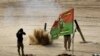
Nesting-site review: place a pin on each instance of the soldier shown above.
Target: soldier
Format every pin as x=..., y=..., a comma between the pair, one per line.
x=19, y=35
x=67, y=42
x=67, y=38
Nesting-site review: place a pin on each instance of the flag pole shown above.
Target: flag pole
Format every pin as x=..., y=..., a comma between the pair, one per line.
x=73, y=42
x=73, y=33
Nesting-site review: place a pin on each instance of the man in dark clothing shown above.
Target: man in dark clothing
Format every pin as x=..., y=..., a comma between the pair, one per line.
x=67, y=38
x=67, y=42
x=19, y=35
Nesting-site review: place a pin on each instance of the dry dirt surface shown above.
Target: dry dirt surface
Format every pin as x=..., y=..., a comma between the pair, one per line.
x=31, y=14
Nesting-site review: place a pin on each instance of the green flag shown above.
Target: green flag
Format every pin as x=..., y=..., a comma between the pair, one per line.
x=66, y=22
x=55, y=30
x=64, y=25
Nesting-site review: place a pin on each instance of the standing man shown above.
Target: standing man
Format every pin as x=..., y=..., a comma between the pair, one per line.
x=67, y=37
x=19, y=35
x=67, y=42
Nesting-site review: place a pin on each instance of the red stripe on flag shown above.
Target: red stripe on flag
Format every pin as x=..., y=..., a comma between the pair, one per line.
x=56, y=23
x=67, y=16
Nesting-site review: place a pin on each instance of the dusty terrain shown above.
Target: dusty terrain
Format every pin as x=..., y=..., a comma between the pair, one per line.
x=30, y=14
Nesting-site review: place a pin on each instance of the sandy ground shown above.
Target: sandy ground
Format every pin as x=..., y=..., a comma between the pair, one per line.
x=34, y=13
